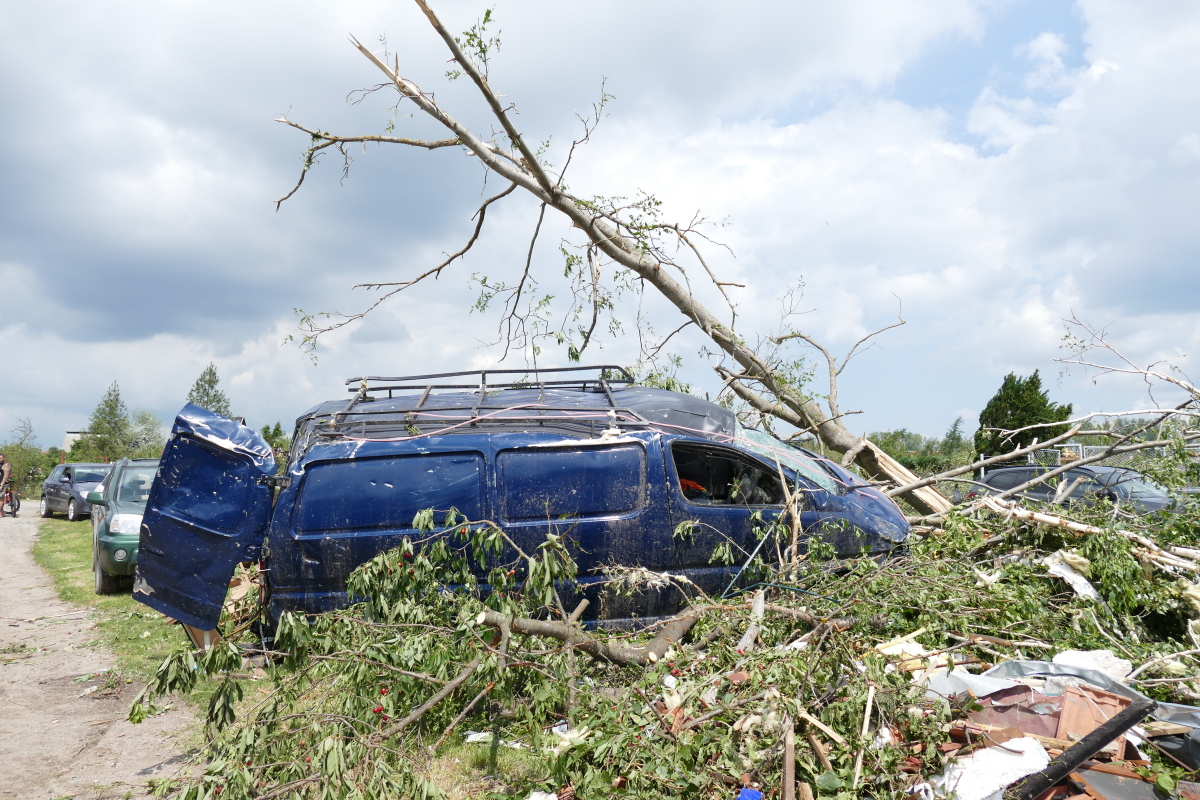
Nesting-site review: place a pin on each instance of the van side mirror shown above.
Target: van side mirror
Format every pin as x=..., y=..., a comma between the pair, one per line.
x=96, y=499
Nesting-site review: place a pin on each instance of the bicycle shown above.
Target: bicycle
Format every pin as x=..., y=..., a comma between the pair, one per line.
x=12, y=503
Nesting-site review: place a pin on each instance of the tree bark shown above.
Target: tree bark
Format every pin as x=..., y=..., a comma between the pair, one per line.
x=602, y=650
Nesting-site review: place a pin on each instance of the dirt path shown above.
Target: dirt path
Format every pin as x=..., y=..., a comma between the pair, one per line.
x=60, y=736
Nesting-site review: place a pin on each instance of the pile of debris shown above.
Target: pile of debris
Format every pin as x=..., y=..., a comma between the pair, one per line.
x=996, y=656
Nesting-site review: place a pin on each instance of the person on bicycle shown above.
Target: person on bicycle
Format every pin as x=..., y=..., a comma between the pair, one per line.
x=5, y=479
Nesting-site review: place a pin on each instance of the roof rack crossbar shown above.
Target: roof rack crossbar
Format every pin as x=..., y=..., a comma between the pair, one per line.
x=622, y=376
x=575, y=412
x=472, y=388
x=364, y=425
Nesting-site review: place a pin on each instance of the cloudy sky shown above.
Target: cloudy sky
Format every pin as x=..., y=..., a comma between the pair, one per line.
x=992, y=166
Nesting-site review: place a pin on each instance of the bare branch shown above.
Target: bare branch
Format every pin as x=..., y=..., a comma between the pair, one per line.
x=515, y=297
x=469, y=67
x=852, y=351
x=682, y=234
x=594, y=272
x=1097, y=340
x=478, y=216
x=654, y=350
x=330, y=140
x=346, y=319
x=985, y=462
x=1080, y=462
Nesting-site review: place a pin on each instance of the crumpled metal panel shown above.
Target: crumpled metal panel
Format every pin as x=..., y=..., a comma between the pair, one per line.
x=1167, y=712
x=208, y=510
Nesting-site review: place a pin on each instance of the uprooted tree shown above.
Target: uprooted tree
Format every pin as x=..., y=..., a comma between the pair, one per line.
x=628, y=246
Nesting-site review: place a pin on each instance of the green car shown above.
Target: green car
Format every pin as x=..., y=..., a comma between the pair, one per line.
x=117, y=508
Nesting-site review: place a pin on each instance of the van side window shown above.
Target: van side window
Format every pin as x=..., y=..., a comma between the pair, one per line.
x=368, y=494
x=551, y=482
x=718, y=477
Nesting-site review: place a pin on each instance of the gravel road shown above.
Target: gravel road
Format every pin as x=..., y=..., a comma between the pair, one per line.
x=61, y=736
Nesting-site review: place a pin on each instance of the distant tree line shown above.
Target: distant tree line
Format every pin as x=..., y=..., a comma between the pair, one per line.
x=114, y=432
x=1018, y=404
x=30, y=465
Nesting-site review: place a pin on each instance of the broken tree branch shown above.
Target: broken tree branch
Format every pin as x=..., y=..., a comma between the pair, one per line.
x=600, y=649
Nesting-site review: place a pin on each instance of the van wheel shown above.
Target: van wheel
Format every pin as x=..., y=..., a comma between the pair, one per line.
x=105, y=583
x=44, y=508
x=73, y=511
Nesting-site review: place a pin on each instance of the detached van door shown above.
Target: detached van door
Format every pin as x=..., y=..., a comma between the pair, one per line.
x=208, y=510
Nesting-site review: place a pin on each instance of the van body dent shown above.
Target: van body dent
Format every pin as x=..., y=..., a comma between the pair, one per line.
x=615, y=468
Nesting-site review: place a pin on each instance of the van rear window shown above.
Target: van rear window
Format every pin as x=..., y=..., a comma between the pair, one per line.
x=553, y=482
x=374, y=493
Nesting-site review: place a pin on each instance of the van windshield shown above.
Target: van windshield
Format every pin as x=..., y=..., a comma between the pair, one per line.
x=770, y=448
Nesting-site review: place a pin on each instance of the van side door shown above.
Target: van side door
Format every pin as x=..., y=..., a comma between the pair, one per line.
x=605, y=498
x=208, y=509
x=349, y=502
x=716, y=493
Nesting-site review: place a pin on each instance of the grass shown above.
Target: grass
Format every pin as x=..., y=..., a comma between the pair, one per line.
x=139, y=639
x=462, y=770
x=134, y=633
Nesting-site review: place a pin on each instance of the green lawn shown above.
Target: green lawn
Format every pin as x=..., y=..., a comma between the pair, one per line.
x=135, y=633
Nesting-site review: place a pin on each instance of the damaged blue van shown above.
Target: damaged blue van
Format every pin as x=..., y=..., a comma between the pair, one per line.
x=618, y=469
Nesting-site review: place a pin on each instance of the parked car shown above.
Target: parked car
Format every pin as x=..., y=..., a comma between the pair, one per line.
x=66, y=487
x=117, y=508
x=1125, y=487
x=615, y=468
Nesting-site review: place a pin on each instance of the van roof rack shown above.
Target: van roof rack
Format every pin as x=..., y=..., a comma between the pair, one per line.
x=596, y=377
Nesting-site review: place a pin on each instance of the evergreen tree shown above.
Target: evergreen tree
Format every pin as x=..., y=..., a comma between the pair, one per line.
x=206, y=394
x=1020, y=402
x=109, y=434
x=276, y=436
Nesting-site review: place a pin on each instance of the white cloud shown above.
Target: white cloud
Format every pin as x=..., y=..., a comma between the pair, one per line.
x=143, y=240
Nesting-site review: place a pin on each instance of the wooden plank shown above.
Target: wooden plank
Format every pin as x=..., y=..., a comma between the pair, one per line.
x=1157, y=728
x=1084, y=709
x=202, y=639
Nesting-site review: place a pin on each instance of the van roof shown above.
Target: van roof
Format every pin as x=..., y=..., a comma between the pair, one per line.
x=579, y=410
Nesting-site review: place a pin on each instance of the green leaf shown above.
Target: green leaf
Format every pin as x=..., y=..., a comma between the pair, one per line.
x=829, y=782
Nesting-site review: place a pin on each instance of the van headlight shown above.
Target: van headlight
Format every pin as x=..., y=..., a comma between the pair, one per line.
x=125, y=523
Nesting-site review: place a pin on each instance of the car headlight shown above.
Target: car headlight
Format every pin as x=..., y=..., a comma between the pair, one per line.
x=120, y=555
x=125, y=523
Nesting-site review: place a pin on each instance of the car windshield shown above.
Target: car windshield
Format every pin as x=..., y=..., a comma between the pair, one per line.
x=134, y=487
x=90, y=474
x=1132, y=486
x=773, y=450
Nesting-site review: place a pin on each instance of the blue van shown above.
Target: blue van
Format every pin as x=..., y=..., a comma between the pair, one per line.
x=616, y=468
